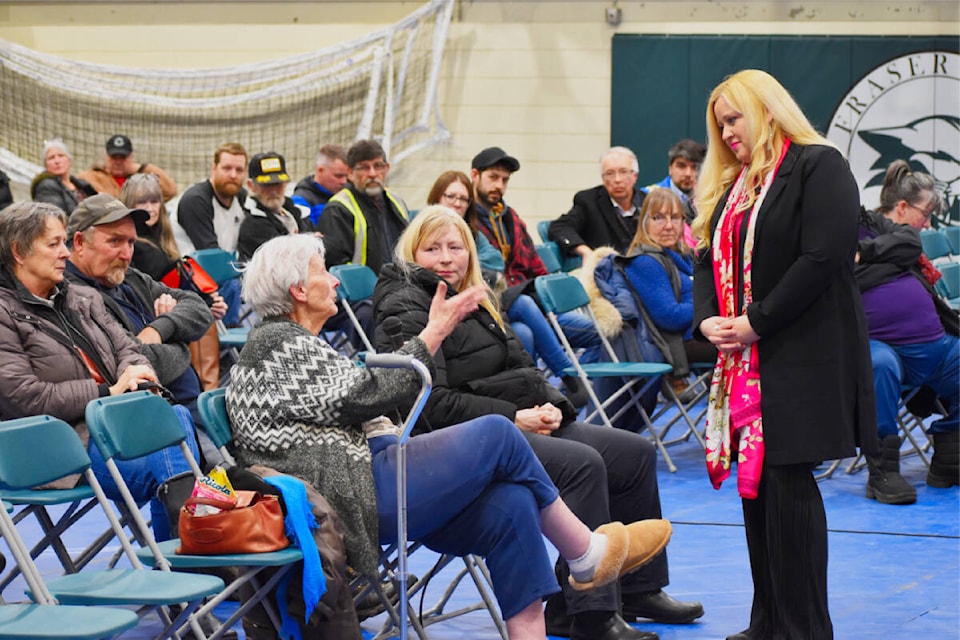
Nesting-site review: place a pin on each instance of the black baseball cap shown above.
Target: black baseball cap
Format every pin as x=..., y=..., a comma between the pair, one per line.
x=494, y=155
x=268, y=168
x=119, y=145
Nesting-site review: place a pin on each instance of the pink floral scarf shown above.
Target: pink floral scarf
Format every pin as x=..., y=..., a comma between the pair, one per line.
x=734, y=421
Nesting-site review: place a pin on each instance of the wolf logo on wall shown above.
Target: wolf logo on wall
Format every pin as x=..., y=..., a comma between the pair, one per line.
x=907, y=109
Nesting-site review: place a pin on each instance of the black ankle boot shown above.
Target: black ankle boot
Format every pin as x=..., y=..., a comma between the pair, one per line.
x=885, y=483
x=945, y=464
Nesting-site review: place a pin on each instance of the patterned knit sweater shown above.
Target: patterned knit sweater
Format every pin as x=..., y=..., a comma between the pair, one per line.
x=300, y=407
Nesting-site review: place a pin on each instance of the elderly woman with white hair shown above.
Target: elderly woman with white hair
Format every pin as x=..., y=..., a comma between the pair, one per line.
x=55, y=185
x=300, y=407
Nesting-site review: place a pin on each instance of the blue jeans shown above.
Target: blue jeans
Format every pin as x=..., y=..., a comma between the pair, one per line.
x=536, y=334
x=143, y=475
x=474, y=487
x=934, y=364
x=582, y=334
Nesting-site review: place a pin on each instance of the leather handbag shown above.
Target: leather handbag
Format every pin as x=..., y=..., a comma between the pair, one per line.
x=253, y=525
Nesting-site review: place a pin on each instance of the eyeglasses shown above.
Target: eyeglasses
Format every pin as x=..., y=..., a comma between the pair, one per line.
x=452, y=197
x=610, y=174
x=660, y=219
x=370, y=167
x=926, y=214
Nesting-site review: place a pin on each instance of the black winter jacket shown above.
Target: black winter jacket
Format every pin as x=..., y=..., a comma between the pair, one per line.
x=480, y=368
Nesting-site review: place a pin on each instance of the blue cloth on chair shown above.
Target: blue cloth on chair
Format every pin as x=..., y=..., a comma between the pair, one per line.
x=298, y=526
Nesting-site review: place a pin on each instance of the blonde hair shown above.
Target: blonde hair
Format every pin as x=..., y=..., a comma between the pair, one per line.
x=655, y=201
x=771, y=115
x=428, y=224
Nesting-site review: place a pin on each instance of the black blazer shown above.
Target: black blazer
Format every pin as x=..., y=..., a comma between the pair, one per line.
x=594, y=222
x=815, y=373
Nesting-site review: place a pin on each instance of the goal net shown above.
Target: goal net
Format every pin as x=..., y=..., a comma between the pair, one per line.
x=382, y=86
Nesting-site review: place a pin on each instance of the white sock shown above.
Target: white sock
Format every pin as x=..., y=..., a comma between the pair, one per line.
x=582, y=568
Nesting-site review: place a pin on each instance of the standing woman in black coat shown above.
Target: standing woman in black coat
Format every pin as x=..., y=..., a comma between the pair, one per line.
x=774, y=291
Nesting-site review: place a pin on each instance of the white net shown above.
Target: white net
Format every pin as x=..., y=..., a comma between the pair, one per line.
x=381, y=86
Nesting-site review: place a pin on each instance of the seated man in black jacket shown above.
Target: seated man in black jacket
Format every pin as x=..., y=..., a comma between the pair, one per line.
x=606, y=215
x=270, y=213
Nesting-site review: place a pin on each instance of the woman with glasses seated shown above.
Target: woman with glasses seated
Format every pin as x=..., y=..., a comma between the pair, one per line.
x=660, y=270
x=453, y=190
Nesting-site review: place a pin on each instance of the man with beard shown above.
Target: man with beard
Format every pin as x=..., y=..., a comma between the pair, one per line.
x=683, y=160
x=490, y=172
x=606, y=215
x=270, y=213
x=101, y=233
x=571, y=613
x=210, y=212
x=362, y=222
x=119, y=163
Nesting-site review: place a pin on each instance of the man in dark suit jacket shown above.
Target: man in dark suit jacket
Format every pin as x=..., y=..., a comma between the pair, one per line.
x=606, y=215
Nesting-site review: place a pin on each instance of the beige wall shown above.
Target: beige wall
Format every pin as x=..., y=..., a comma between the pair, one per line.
x=532, y=77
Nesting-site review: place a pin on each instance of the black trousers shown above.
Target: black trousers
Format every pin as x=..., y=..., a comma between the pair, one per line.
x=787, y=539
x=604, y=475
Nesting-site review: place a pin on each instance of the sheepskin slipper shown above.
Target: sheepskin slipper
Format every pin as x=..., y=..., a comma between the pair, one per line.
x=629, y=547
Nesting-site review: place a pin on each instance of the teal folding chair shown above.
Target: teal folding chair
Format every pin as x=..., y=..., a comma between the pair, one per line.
x=952, y=234
x=357, y=283
x=560, y=293
x=64, y=454
x=949, y=285
x=935, y=244
x=549, y=252
x=543, y=228
x=79, y=500
x=567, y=263
x=51, y=621
x=135, y=424
x=222, y=265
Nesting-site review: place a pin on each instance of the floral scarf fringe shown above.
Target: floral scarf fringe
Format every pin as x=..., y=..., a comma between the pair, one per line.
x=734, y=421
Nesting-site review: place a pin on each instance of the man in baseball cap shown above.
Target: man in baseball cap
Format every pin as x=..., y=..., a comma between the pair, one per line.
x=492, y=156
x=101, y=209
x=101, y=234
x=119, y=163
x=270, y=213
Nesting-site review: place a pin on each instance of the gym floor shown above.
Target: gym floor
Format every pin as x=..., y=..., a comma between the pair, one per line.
x=894, y=570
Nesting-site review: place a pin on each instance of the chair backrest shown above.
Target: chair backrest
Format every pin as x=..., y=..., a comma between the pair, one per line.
x=37, y=450
x=935, y=244
x=543, y=228
x=950, y=280
x=220, y=264
x=560, y=292
x=158, y=425
x=952, y=234
x=212, y=406
x=357, y=281
x=549, y=252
